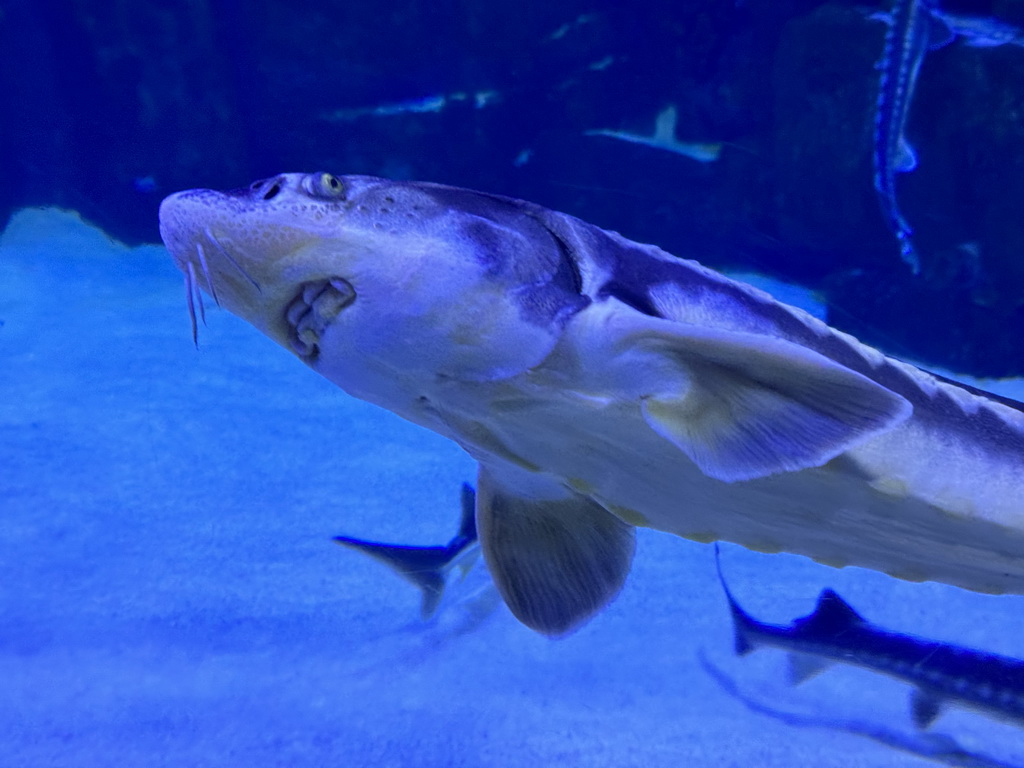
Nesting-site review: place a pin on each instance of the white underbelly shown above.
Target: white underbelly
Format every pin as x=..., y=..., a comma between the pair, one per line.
x=902, y=504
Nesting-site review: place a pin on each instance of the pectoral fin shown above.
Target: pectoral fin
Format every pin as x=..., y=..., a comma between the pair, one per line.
x=906, y=158
x=804, y=666
x=924, y=708
x=748, y=405
x=940, y=33
x=555, y=562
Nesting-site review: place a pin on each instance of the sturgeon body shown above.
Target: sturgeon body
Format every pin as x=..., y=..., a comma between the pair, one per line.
x=602, y=384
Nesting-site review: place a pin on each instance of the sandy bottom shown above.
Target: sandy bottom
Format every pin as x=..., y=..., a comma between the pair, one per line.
x=170, y=596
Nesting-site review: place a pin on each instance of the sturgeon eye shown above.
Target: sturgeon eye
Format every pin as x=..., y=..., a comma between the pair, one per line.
x=325, y=185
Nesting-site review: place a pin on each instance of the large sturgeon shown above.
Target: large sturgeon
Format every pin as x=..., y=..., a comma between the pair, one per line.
x=602, y=384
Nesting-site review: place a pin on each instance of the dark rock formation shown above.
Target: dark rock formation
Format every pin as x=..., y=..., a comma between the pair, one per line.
x=108, y=106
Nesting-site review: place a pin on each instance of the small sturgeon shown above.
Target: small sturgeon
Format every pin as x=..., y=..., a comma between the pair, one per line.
x=940, y=672
x=602, y=384
x=906, y=42
x=939, y=747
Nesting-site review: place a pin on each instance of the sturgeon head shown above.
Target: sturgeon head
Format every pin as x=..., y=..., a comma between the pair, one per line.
x=417, y=297
x=381, y=286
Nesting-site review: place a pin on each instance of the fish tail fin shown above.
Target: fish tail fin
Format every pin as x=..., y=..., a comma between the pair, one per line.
x=423, y=567
x=741, y=620
x=427, y=567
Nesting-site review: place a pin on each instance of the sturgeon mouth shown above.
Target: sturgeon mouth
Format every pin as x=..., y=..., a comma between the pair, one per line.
x=314, y=308
x=193, y=293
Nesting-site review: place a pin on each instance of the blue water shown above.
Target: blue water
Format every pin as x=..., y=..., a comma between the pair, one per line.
x=169, y=591
x=170, y=596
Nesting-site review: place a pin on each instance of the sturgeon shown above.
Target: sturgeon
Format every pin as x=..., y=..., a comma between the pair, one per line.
x=602, y=384
x=940, y=673
x=906, y=43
